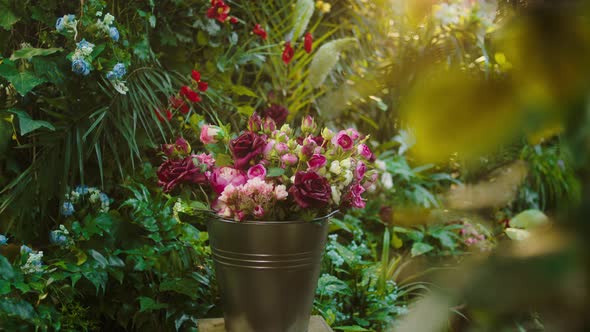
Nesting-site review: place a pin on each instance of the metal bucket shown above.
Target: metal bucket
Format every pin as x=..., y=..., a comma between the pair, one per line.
x=267, y=272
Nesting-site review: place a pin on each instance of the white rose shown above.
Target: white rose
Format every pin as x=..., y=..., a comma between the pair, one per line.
x=348, y=177
x=346, y=163
x=380, y=164
x=387, y=180
x=335, y=167
x=335, y=195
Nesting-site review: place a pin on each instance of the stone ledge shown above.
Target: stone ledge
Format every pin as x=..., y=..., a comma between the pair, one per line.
x=316, y=324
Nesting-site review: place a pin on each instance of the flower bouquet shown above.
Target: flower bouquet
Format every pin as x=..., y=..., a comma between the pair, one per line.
x=271, y=188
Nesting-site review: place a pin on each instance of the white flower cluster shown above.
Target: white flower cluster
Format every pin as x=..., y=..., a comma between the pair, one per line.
x=33, y=263
x=343, y=170
x=95, y=197
x=386, y=177
x=105, y=23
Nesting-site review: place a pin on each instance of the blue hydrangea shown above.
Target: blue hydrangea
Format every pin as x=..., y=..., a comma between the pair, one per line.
x=119, y=70
x=104, y=198
x=24, y=249
x=59, y=24
x=3, y=239
x=82, y=189
x=67, y=209
x=81, y=67
x=114, y=33
x=71, y=17
x=58, y=238
x=111, y=76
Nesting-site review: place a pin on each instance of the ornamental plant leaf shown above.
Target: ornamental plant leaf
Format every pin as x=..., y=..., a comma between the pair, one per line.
x=29, y=52
x=7, y=18
x=6, y=271
x=148, y=304
x=17, y=307
x=27, y=124
x=420, y=248
x=350, y=328
x=529, y=219
x=23, y=82
x=326, y=58
x=303, y=13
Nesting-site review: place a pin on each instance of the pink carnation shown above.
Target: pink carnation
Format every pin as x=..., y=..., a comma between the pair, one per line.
x=206, y=159
x=355, y=198
x=360, y=170
x=258, y=212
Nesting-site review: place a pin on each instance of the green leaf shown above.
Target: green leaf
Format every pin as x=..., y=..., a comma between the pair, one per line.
x=350, y=328
x=27, y=124
x=303, y=13
x=18, y=308
x=148, y=304
x=420, y=248
x=99, y=258
x=7, y=18
x=275, y=171
x=4, y=287
x=23, y=81
x=326, y=58
x=529, y=219
x=188, y=287
x=241, y=90
x=29, y=52
x=445, y=237
x=517, y=234
x=6, y=271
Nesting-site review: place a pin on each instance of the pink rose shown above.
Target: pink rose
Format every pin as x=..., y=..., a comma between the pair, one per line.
x=257, y=171
x=289, y=159
x=364, y=151
x=180, y=147
x=268, y=148
x=221, y=177
x=209, y=134
x=281, y=192
x=316, y=162
x=360, y=170
x=254, y=123
x=343, y=140
x=308, y=124
x=281, y=148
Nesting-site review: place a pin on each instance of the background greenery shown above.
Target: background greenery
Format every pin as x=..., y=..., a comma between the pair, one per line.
x=496, y=92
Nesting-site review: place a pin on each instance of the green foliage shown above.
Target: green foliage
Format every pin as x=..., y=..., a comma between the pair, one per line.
x=138, y=267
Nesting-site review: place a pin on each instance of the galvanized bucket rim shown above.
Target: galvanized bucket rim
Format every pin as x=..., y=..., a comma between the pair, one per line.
x=274, y=222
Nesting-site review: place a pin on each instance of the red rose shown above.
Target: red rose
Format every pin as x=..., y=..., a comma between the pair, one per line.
x=190, y=94
x=308, y=42
x=245, y=148
x=288, y=53
x=258, y=30
x=311, y=190
x=174, y=172
x=278, y=113
x=179, y=104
